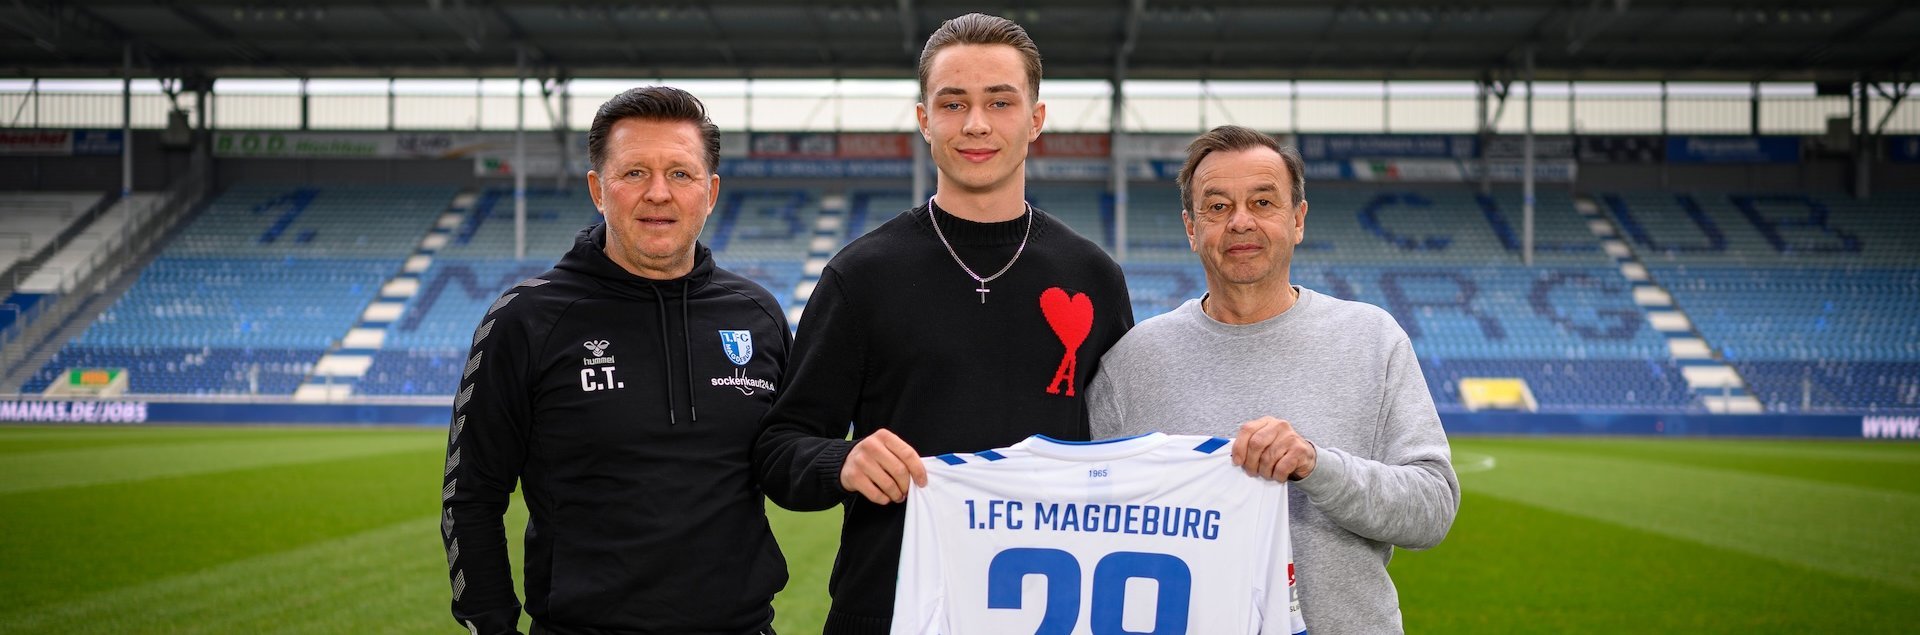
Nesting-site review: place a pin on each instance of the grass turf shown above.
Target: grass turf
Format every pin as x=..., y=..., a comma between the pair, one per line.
x=304, y=530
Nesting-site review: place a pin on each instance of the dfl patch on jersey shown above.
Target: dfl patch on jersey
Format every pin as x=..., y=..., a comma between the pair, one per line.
x=1152, y=534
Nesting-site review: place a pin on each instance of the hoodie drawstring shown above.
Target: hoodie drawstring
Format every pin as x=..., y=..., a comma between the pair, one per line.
x=686, y=343
x=666, y=352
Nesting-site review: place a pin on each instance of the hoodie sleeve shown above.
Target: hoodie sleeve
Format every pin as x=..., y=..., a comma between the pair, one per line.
x=486, y=450
x=803, y=439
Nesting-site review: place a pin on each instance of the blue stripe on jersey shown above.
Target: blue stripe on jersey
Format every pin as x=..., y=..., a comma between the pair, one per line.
x=1209, y=445
x=951, y=459
x=1049, y=439
x=989, y=455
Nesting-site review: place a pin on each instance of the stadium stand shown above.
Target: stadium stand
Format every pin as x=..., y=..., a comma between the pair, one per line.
x=43, y=287
x=553, y=217
x=760, y=233
x=1088, y=210
x=255, y=290
x=1446, y=263
x=868, y=208
x=34, y=219
x=100, y=237
x=1811, y=297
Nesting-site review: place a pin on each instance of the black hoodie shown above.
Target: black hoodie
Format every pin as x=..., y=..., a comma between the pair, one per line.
x=628, y=408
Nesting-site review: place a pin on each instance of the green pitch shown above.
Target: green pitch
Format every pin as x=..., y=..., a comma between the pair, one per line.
x=302, y=530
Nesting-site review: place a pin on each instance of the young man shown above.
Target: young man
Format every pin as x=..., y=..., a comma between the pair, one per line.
x=965, y=324
x=623, y=389
x=1361, y=438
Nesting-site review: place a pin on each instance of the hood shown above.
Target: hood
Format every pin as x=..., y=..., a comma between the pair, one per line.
x=589, y=258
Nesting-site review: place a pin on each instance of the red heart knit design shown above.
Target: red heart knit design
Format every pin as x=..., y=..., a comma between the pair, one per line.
x=1072, y=319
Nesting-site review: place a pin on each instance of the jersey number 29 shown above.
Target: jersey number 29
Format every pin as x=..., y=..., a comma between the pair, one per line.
x=1062, y=574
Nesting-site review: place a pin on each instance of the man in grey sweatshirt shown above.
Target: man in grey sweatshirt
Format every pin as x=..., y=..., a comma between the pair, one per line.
x=1317, y=390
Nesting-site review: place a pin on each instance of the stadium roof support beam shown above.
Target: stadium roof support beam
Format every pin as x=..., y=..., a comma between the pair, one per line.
x=520, y=157
x=62, y=16
x=1596, y=20
x=1526, y=176
x=909, y=27
x=1862, y=113
x=306, y=106
x=126, y=122
x=522, y=42
x=1666, y=174
x=1480, y=90
x=1499, y=89
x=32, y=98
x=562, y=130
x=1894, y=97
x=921, y=157
x=922, y=154
x=35, y=33
x=1116, y=160
x=720, y=40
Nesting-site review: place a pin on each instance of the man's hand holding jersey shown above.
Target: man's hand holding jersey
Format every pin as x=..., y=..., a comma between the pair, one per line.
x=880, y=466
x=1270, y=448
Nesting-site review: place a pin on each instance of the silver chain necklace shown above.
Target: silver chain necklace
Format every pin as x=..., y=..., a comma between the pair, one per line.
x=934, y=217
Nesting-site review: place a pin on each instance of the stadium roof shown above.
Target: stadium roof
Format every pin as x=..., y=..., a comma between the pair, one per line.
x=1761, y=40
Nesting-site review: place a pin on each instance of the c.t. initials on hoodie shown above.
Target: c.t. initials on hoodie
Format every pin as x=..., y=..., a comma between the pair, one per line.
x=595, y=377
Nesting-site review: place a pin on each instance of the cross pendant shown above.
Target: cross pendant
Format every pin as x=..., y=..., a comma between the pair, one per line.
x=983, y=290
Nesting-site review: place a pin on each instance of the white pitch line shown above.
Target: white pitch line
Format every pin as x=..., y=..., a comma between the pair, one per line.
x=1480, y=463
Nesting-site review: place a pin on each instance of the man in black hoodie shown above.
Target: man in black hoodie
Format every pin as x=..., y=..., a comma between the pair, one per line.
x=624, y=389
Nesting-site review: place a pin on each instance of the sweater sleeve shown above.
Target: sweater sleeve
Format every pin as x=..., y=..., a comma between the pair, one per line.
x=1106, y=405
x=486, y=450
x=1410, y=495
x=803, y=438
x=1106, y=411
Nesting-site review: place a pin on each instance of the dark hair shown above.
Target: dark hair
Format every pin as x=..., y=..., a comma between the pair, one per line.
x=662, y=103
x=1232, y=138
x=980, y=28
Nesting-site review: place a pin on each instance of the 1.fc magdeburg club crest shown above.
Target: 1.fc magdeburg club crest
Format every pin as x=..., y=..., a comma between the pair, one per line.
x=739, y=346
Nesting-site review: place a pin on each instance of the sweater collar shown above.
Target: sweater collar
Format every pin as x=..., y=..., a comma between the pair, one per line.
x=960, y=231
x=1279, y=322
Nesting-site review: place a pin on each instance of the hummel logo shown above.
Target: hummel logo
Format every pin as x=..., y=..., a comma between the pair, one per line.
x=599, y=350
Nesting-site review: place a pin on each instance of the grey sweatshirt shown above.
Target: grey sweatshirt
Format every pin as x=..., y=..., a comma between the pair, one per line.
x=1344, y=374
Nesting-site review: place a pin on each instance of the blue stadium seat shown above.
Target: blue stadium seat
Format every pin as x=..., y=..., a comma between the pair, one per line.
x=1813, y=298
x=184, y=370
x=1446, y=263
x=255, y=289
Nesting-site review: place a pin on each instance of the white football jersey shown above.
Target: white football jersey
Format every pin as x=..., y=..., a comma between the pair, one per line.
x=1152, y=534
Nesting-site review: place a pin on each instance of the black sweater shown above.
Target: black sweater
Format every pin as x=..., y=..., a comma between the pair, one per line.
x=895, y=337
x=614, y=400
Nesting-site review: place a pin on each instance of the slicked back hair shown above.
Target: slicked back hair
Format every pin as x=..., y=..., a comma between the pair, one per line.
x=1231, y=138
x=980, y=28
x=658, y=103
